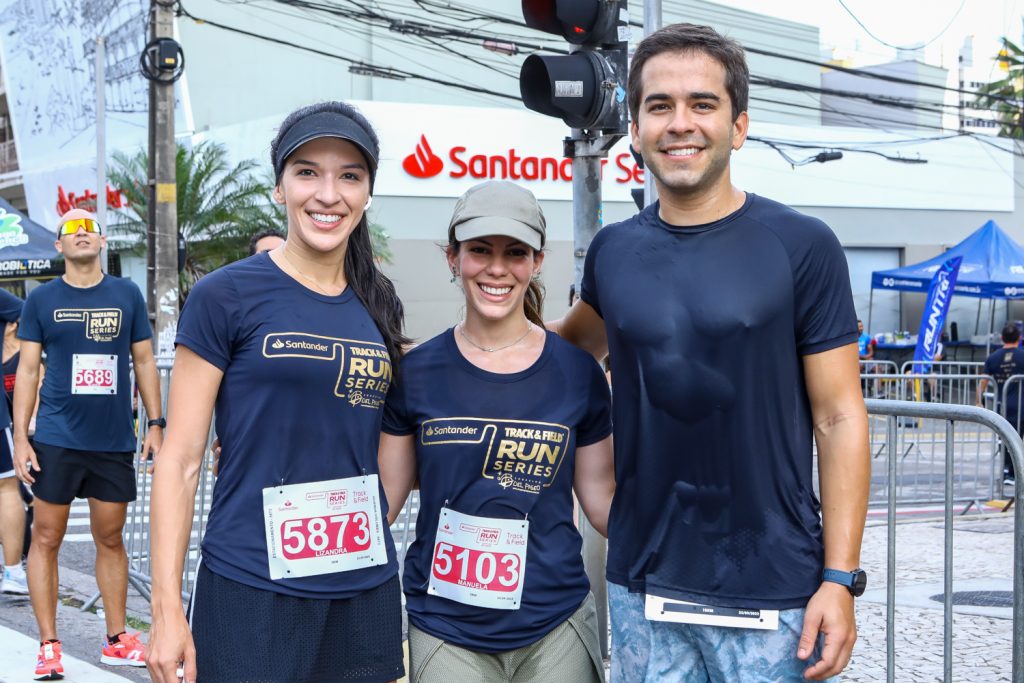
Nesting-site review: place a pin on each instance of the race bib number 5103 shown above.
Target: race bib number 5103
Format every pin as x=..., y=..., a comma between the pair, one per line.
x=479, y=560
x=323, y=527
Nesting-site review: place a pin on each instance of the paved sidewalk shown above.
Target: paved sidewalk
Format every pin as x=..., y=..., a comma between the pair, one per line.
x=982, y=561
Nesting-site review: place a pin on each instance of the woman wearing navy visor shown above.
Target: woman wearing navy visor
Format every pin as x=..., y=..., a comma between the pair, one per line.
x=295, y=348
x=499, y=421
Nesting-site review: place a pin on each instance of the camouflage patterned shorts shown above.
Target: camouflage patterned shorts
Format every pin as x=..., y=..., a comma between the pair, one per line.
x=660, y=652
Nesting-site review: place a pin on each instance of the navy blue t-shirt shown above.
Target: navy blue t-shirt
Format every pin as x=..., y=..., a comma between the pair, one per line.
x=305, y=376
x=10, y=311
x=77, y=326
x=1002, y=365
x=713, y=434
x=462, y=416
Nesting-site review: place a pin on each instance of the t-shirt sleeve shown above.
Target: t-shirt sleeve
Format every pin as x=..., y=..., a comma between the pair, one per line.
x=597, y=421
x=141, y=329
x=588, y=286
x=10, y=307
x=209, y=321
x=31, y=328
x=825, y=315
x=396, y=420
x=991, y=366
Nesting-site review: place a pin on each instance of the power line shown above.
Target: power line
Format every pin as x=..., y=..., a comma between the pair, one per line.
x=899, y=47
x=407, y=74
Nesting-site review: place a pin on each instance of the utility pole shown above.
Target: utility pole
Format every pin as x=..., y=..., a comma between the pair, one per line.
x=101, y=141
x=162, y=266
x=652, y=22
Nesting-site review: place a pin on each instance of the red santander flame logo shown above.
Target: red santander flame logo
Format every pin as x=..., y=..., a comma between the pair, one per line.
x=423, y=163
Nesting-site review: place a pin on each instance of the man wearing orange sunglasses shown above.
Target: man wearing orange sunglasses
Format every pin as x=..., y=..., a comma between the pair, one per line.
x=88, y=323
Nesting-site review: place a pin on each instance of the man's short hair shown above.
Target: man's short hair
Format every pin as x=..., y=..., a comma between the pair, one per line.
x=693, y=38
x=269, y=232
x=1011, y=334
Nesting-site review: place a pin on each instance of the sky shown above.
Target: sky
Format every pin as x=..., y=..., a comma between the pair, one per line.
x=904, y=23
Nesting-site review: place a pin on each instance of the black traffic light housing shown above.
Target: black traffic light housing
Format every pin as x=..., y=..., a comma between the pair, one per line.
x=586, y=89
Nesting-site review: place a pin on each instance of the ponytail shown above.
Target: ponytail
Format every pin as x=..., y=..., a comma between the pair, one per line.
x=534, y=303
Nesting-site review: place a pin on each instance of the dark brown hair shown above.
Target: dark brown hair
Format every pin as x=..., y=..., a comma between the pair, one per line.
x=693, y=38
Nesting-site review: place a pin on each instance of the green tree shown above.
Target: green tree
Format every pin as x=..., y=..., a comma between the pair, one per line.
x=1004, y=95
x=219, y=206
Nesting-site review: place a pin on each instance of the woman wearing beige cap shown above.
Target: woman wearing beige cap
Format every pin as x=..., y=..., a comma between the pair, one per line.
x=499, y=421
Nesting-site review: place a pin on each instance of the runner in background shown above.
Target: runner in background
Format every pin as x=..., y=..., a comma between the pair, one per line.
x=500, y=421
x=12, y=507
x=296, y=349
x=89, y=324
x=265, y=240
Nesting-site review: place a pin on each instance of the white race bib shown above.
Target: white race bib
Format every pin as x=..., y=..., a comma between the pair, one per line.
x=657, y=608
x=479, y=560
x=324, y=527
x=93, y=373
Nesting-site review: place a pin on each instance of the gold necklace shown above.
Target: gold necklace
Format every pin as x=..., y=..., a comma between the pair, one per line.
x=299, y=271
x=486, y=349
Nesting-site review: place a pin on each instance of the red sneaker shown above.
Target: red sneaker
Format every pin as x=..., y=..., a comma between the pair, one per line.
x=48, y=666
x=127, y=651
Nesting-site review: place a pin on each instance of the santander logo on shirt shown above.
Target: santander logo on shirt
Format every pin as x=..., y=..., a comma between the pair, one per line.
x=424, y=163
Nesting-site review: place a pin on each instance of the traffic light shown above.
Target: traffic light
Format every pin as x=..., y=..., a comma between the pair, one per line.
x=587, y=88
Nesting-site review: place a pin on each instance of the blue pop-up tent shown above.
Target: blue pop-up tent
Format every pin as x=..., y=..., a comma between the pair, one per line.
x=26, y=248
x=992, y=268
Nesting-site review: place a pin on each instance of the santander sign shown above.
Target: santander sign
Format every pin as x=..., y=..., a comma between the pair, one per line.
x=424, y=163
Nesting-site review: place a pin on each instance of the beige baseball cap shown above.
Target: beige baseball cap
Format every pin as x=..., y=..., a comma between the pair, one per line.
x=498, y=207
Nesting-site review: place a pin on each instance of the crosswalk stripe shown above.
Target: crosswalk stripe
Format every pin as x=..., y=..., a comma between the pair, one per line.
x=19, y=653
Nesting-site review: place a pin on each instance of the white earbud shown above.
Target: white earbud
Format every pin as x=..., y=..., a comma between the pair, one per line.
x=369, y=200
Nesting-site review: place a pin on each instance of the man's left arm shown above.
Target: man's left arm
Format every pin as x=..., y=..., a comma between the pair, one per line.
x=844, y=473
x=148, y=380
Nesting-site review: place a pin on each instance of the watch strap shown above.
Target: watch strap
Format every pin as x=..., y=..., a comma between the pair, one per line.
x=158, y=422
x=837, y=576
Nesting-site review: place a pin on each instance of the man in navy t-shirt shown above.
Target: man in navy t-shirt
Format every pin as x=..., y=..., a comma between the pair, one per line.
x=715, y=521
x=1002, y=365
x=89, y=324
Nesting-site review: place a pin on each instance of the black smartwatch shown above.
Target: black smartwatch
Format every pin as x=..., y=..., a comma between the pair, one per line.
x=158, y=422
x=855, y=581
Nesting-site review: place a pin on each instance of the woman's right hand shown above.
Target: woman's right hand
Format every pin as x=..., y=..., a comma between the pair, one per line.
x=171, y=649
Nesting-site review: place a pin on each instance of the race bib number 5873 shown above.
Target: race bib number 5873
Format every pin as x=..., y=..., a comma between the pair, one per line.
x=323, y=527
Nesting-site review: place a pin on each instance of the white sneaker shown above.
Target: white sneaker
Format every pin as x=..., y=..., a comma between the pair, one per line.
x=16, y=584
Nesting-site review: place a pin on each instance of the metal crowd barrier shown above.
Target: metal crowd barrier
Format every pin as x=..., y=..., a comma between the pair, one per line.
x=894, y=411
x=978, y=474
x=950, y=367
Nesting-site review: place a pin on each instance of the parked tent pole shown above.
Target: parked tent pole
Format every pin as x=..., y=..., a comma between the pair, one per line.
x=977, y=321
x=991, y=325
x=871, y=303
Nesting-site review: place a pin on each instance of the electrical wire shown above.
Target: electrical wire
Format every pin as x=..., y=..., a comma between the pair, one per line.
x=407, y=74
x=900, y=47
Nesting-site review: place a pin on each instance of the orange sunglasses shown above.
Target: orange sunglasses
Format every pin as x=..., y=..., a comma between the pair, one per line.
x=74, y=225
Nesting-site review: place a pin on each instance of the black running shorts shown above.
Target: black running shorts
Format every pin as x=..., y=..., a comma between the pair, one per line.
x=249, y=635
x=66, y=474
x=6, y=454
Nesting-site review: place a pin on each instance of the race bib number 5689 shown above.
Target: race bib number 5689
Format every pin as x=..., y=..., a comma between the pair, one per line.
x=93, y=373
